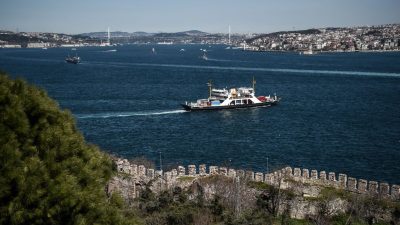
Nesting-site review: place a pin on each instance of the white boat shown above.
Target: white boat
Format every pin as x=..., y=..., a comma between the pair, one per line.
x=233, y=98
x=204, y=56
x=74, y=59
x=165, y=43
x=308, y=52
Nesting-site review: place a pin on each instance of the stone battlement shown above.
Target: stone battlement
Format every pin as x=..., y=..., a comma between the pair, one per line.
x=280, y=177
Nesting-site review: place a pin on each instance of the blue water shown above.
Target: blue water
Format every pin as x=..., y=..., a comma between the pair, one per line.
x=339, y=111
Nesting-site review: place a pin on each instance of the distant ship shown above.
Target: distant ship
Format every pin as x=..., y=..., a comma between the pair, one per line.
x=233, y=98
x=165, y=43
x=204, y=56
x=307, y=52
x=73, y=59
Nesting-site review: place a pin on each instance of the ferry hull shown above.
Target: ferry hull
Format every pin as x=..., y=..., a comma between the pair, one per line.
x=209, y=108
x=72, y=61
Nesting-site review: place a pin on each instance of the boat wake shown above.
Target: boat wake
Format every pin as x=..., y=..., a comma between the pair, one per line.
x=224, y=60
x=111, y=50
x=126, y=114
x=261, y=69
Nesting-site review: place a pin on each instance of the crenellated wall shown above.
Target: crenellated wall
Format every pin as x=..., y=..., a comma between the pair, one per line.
x=282, y=177
x=342, y=181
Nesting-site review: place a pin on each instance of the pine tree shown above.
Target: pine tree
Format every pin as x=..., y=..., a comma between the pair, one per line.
x=48, y=173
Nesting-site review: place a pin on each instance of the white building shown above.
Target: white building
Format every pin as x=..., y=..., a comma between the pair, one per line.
x=10, y=46
x=37, y=45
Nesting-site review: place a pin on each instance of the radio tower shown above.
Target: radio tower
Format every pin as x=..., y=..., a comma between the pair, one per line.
x=229, y=35
x=108, y=38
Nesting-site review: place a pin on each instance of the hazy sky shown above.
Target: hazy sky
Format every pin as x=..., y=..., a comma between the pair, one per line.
x=78, y=16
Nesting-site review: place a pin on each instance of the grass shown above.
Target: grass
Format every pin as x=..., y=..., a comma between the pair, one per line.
x=331, y=192
x=215, y=178
x=186, y=178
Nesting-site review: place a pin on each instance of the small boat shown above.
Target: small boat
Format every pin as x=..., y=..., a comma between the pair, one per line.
x=308, y=52
x=182, y=50
x=44, y=48
x=73, y=59
x=153, y=50
x=232, y=98
x=73, y=49
x=204, y=56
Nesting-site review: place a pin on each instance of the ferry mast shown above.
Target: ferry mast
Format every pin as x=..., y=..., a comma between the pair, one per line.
x=254, y=85
x=209, y=84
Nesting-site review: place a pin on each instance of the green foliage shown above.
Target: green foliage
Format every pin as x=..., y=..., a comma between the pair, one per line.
x=345, y=219
x=331, y=193
x=186, y=178
x=169, y=207
x=216, y=207
x=49, y=175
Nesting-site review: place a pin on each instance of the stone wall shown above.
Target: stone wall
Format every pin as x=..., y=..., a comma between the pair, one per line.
x=342, y=181
x=138, y=175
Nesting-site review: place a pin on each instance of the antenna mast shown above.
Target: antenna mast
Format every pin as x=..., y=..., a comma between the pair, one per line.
x=209, y=87
x=254, y=85
x=109, y=35
x=229, y=35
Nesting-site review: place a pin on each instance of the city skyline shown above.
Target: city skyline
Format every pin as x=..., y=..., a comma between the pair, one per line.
x=75, y=17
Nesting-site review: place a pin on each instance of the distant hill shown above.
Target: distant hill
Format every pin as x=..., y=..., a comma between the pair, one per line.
x=104, y=34
x=193, y=33
x=16, y=38
x=120, y=34
x=308, y=31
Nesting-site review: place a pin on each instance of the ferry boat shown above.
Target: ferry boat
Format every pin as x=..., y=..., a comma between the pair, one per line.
x=233, y=98
x=73, y=59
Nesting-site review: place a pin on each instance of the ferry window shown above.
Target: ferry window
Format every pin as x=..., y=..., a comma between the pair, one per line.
x=232, y=103
x=238, y=102
x=250, y=102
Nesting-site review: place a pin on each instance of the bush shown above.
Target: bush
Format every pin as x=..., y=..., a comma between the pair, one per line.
x=49, y=174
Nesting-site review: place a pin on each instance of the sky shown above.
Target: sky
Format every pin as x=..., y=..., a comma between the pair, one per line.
x=251, y=16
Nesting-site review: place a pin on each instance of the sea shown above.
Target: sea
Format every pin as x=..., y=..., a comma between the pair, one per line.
x=339, y=112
